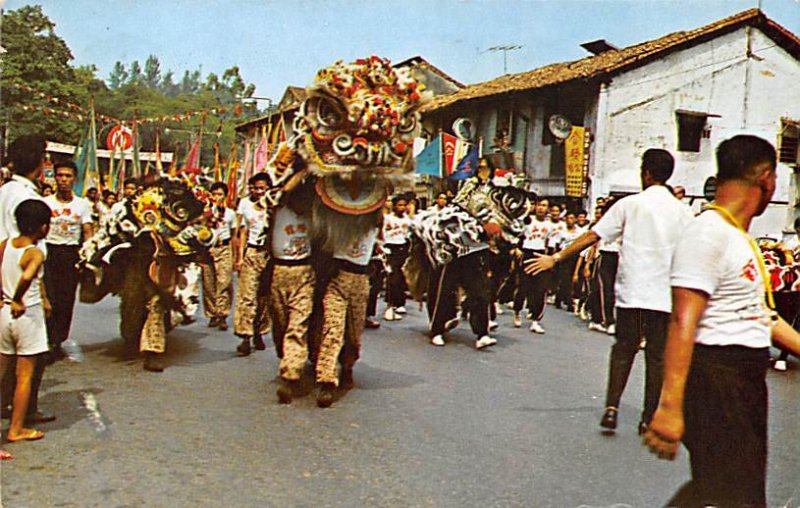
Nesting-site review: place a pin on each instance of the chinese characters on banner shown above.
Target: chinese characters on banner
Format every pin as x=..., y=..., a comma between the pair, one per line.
x=577, y=163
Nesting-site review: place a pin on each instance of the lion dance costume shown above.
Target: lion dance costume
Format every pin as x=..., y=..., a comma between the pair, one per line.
x=146, y=252
x=352, y=140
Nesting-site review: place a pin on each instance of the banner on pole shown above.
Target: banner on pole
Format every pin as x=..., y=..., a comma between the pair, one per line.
x=575, y=151
x=429, y=160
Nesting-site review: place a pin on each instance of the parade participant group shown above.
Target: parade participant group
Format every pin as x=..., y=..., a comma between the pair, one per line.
x=324, y=230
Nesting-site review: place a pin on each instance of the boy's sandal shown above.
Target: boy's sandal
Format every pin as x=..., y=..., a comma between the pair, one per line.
x=4, y=455
x=33, y=435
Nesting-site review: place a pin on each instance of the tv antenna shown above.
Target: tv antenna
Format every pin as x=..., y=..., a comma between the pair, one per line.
x=505, y=49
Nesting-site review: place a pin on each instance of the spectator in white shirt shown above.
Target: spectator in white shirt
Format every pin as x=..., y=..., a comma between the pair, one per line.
x=649, y=224
x=714, y=397
x=27, y=155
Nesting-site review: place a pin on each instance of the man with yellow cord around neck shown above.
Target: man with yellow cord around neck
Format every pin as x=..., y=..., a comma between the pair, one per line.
x=714, y=395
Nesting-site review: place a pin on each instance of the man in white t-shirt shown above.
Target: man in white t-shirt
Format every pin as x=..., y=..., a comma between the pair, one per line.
x=714, y=396
x=395, y=242
x=538, y=236
x=345, y=311
x=250, y=313
x=292, y=282
x=27, y=154
x=218, y=274
x=649, y=224
x=70, y=226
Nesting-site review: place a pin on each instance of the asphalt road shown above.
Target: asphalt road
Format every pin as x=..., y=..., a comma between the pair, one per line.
x=514, y=425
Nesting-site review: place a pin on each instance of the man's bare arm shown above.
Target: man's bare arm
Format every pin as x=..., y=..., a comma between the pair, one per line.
x=542, y=262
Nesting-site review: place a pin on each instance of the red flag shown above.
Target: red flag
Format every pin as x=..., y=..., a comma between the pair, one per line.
x=449, y=145
x=261, y=155
x=193, y=157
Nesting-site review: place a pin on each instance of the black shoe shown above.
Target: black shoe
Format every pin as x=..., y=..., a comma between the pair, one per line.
x=222, y=324
x=286, y=391
x=642, y=428
x=371, y=323
x=38, y=417
x=243, y=349
x=609, y=420
x=152, y=362
x=346, y=379
x=55, y=354
x=325, y=395
x=258, y=343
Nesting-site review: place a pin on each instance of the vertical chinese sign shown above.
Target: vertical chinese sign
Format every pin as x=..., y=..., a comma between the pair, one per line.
x=576, y=148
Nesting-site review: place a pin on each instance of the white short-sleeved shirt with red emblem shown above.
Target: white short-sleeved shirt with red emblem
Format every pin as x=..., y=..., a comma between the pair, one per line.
x=67, y=220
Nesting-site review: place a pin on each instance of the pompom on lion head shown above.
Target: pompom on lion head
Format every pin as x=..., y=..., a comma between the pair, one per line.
x=360, y=116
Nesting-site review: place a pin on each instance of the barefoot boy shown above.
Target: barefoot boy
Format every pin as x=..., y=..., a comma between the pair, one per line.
x=23, y=333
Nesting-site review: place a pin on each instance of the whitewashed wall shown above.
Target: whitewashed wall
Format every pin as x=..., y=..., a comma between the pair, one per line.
x=637, y=110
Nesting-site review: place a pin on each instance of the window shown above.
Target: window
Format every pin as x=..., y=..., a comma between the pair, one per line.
x=788, y=141
x=691, y=129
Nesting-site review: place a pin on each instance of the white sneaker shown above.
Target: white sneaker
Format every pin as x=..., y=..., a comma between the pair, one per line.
x=583, y=314
x=74, y=353
x=493, y=325
x=498, y=309
x=780, y=365
x=485, y=341
x=551, y=300
x=510, y=305
x=576, y=306
x=401, y=310
x=612, y=329
x=597, y=327
x=643, y=343
x=389, y=314
x=517, y=320
x=536, y=327
x=437, y=340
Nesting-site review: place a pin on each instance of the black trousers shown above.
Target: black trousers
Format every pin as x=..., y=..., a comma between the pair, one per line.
x=376, y=277
x=499, y=270
x=632, y=326
x=470, y=272
x=725, y=413
x=395, y=280
x=788, y=306
x=532, y=287
x=61, y=279
x=565, y=291
x=607, y=273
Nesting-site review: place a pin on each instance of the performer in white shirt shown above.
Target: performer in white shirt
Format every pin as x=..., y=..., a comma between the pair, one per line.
x=250, y=313
x=395, y=242
x=218, y=274
x=70, y=226
x=537, y=237
x=650, y=224
x=714, y=397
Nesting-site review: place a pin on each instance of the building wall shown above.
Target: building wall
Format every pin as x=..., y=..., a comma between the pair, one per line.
x=637, y=111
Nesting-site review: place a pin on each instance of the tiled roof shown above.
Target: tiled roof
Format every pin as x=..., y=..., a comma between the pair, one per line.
x=615, y=61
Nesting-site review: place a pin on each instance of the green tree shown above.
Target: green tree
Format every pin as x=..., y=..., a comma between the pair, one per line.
x=118, y=76
x=152, y=72
x=135, y=72
x=38, y=58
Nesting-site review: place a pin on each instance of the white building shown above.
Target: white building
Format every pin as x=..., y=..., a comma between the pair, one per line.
x=684, y=92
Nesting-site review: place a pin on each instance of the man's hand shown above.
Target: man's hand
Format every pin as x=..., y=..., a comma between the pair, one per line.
x=664, y=433
x=539, y=263
x=17, y=309
x=47, y=307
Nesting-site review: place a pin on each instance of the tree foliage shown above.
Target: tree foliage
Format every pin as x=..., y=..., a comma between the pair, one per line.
x=40, y=59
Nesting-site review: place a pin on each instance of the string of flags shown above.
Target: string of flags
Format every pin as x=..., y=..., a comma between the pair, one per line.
x=79, y=113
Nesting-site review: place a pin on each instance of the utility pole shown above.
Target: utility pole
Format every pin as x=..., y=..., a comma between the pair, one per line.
x=505, y=49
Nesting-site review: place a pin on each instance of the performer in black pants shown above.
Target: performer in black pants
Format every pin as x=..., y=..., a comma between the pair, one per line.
x=71, y=225
x=470, y=272
x=395, y=243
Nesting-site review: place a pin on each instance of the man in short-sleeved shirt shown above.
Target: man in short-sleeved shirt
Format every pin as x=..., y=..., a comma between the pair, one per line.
x=718, y=347
x=70, y=225
x=649, y=224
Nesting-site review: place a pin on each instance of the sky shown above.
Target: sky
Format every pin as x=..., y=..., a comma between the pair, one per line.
x=280, y=43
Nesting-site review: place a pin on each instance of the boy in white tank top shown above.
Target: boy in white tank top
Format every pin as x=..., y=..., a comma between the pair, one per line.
x=23, y=333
